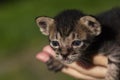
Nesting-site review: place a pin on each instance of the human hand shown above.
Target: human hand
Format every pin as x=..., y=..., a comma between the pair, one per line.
x=95, y=73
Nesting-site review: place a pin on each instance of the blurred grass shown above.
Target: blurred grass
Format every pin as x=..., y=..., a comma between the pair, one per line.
x=20, y=38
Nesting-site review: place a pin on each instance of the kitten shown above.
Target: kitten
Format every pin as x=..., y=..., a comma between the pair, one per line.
x=75, y=36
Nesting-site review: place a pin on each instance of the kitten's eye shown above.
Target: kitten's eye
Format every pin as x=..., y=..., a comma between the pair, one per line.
x=76, y=43
x=55, y=43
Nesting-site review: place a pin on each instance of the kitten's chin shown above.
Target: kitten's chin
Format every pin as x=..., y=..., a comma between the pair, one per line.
x=68, y=61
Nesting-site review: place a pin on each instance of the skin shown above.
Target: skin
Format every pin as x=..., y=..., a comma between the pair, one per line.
x=75, y=70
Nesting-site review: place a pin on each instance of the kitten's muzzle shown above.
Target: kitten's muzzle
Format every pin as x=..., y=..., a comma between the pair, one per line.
x=66, y=52
x=65, y=56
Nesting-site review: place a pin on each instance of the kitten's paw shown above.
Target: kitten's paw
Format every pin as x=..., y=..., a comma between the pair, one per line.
x=54, y=65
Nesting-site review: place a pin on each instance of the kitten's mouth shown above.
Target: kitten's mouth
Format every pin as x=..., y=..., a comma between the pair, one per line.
x=69, y=59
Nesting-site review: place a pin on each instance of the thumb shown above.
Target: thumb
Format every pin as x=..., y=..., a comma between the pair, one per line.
x=43, y=56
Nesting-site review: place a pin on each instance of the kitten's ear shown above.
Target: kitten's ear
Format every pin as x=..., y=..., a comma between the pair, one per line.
x=44, y=24
x=91, y=24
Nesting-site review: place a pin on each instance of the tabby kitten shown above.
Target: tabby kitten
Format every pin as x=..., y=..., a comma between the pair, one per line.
x=75, y=36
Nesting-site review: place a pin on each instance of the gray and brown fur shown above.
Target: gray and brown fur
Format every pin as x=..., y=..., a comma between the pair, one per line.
x=78, y=37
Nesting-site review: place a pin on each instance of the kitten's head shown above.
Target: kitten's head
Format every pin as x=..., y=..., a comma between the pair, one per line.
x=70, y=33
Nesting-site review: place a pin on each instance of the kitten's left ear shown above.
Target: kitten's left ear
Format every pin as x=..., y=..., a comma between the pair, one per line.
x=91, y=24
x=44, y=24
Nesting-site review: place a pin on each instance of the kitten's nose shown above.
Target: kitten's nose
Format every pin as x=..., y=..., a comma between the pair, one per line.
x=64, y=55
x=65, y=52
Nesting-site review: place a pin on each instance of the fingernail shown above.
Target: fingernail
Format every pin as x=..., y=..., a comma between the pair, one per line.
x=49, y=50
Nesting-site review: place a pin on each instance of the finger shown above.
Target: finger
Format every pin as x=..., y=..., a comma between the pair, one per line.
x=76, y=74
x=100, y=60
x=43, y=56
x=96, y=71
x=49, y=50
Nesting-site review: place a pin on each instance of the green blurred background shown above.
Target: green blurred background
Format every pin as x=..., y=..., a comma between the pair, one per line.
x=20, y=39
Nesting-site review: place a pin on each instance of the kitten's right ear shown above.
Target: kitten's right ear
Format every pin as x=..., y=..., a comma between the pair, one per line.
x=92, y=24
x=44, y=24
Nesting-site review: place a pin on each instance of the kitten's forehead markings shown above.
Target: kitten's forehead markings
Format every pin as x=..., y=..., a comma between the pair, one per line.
x=68, y=40
x=58, y=36
x=52, y=36
x=70, y=36
x=55, y=35
x=81, y=32
x=52, y=32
